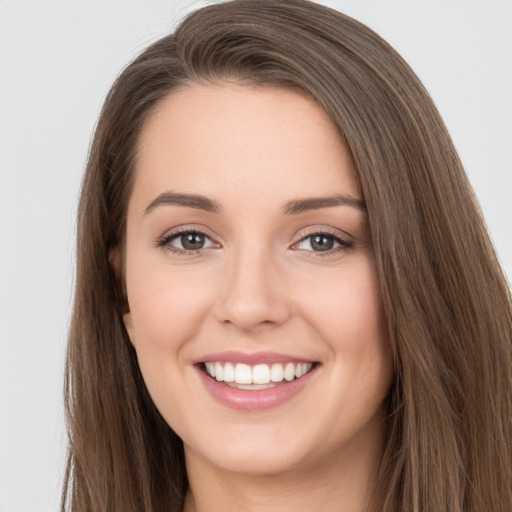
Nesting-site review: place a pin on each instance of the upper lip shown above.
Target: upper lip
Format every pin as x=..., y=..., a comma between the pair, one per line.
x=233, y=356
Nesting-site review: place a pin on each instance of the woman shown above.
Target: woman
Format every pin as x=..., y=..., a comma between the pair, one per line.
x=286, y=296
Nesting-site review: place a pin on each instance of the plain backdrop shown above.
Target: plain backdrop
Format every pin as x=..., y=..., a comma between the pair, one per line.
x=57, y=61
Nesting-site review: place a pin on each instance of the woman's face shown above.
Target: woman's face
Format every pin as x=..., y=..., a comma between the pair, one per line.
x=248, y=256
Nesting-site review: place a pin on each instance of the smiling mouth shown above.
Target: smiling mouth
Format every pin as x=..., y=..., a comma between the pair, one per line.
x=255, y=377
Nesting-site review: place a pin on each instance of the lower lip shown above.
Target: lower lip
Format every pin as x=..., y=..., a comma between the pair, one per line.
x=255, y=400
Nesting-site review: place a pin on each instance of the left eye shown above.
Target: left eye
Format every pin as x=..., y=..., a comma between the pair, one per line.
x=189, y=241
x=320, y=242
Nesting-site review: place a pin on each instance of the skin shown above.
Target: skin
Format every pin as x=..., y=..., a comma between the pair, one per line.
x=258, y=285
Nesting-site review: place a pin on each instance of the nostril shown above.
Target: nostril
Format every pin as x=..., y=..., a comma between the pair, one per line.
x=252, y=299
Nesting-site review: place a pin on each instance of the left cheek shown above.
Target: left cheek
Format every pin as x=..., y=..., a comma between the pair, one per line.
x=347, y=313
x=348, y=306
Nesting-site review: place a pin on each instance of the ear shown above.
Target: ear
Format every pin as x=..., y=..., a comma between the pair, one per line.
x=116, y=261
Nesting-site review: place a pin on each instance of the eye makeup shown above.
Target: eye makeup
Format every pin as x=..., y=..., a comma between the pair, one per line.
x=189, y=241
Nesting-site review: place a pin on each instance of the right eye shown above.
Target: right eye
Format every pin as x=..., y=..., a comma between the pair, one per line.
x=187, y=242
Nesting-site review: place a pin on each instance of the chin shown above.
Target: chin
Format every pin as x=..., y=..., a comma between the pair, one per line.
x=260, y=453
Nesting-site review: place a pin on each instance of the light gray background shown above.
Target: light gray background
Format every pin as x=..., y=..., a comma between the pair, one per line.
x=57, y=60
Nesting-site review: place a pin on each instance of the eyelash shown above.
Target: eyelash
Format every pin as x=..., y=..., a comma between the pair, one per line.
x=165, y=242
x=344, y=244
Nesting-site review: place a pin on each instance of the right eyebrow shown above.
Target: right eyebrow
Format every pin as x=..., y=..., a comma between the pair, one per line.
x=189, y=200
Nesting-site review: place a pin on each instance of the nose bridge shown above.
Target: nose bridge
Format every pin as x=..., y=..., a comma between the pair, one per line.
x=253, y=293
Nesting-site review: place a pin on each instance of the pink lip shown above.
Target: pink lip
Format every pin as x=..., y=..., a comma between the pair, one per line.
x=232, y=356
x=255, y=400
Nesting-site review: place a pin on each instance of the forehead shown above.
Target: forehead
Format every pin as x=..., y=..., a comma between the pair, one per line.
x=208, y=139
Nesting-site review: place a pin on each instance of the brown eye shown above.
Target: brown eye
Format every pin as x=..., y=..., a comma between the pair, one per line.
x=321, y=242
x=187, y=242
x=192, y=241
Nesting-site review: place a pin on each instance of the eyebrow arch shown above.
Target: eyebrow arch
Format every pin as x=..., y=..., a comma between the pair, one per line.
x=315, y=203
x=189, y=200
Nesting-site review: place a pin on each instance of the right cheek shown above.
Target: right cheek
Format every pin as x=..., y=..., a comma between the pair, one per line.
x=166, y=312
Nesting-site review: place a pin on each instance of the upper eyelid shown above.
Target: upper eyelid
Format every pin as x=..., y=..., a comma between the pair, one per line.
x=303, y=232
x=343, y=242
x=334, y=232
x=179, y=230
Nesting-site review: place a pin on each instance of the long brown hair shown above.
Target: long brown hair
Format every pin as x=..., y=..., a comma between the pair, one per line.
x=448, y=306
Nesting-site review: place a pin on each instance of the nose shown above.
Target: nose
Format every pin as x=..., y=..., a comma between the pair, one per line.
x=253, y=293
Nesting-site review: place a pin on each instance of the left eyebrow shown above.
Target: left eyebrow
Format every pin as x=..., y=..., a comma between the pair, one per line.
x=315, y=203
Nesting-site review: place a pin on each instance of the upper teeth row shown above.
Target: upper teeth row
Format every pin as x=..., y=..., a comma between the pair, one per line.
x=258, y=374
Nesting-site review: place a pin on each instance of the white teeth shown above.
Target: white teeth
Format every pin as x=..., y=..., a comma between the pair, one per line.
x=300, y=370
x=258, y=375
x=243, y=373
x=277, y=373
x=261, y=374
x=289, y=371
x=219, y=372
x=229, y=372
x=210, y=368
